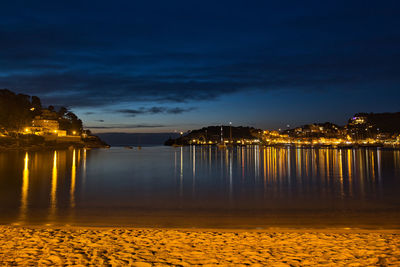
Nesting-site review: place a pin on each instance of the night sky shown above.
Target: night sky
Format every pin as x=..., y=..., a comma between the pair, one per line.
x=160, y=66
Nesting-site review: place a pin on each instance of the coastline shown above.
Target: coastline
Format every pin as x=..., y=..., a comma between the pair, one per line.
x=299, y=146
x=119, y=246
x=49, y=148
x=89, y=144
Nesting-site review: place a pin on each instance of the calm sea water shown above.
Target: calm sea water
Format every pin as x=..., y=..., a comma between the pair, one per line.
x=202, y=187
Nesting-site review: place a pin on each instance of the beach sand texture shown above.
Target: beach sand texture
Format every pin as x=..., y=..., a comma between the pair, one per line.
x=159, y=247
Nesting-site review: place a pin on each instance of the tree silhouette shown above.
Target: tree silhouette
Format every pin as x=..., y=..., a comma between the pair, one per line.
x=18, y=110
x=15, y=110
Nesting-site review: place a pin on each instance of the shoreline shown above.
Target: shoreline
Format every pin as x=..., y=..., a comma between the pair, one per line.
x=51, y=146
x=291, y=145
x=40, y=143
x=340, y=230
x=48, y=245
x=62, y=146
x=48, y=148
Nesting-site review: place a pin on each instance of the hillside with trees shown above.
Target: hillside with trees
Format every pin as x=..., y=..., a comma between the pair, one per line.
x=22, y=119
x=372, y=124
x=212, y=134
x=18, y=110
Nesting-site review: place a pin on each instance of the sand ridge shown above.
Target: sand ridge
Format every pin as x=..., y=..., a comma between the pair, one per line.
x=161, y=247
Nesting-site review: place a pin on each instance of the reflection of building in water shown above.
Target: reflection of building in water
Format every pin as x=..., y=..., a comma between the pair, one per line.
x=379, y=158
x=265, y=167
x=73, y=178
x=181, y=175
x=53, y=193
x=24, y=189
x=350, y=171
x=396, y=159
x=209, y=158
x=340, y=166
x=230, y=177
x=60, y=159
x=372, y=165
x=83, y=168
x=344, y=172
x=242, y=161
x=194, y=170
x=256, y=161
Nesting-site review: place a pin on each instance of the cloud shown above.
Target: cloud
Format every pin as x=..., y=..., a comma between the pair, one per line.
x=179, y=110
x=163, y=54
x=154, y=110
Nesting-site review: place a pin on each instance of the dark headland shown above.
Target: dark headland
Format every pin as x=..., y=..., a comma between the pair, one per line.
x=26, y=125
x=362, y=130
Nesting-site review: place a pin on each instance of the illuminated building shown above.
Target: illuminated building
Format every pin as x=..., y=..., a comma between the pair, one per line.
x=358, y=120
x=46, y=124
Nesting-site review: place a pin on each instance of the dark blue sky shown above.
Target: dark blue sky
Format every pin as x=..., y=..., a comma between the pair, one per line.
x=157, y=66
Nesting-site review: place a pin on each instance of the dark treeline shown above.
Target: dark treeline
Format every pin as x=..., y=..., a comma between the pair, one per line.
x=18, y=110
x=381, y=122
x=68, y=120
x=214, y=133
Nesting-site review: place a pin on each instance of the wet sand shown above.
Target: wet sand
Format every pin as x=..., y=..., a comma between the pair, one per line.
x=159, y=247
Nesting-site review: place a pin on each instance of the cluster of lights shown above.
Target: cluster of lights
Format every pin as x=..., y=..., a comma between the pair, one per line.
x=329, y=141
x=276, y=138
x=239, y=142
x=28, y=130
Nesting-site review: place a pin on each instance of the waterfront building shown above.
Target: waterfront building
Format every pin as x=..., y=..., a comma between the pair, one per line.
x=46, y=124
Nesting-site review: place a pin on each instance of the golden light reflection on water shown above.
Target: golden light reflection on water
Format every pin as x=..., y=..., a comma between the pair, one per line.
x=256, y=162
x=331, y=169
x=73, y=180
x=265, y=167
x=379, y=160
x=231, y=177
x=340, y=166
x=24, y=189
x=53, y=193
x=265, y=172
x=84, y=168
x=396, y=159
x=349, y=171
x=181, y=174
x=328, y=168
x=194, y=170
x=372, y=165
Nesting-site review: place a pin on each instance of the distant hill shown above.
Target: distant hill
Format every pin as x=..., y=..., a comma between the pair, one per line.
x=135, y=139
x=213, y=134
x=385, y=122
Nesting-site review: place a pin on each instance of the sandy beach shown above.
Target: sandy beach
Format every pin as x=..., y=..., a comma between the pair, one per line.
x=187, y=247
